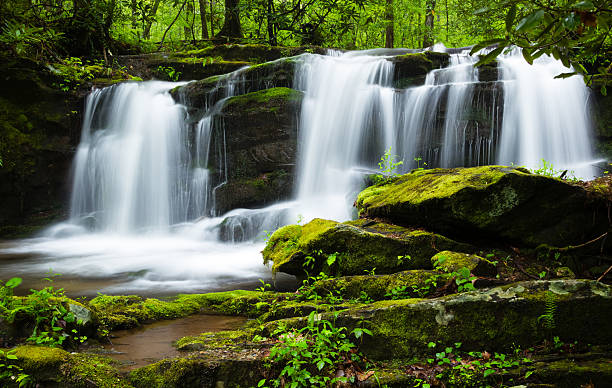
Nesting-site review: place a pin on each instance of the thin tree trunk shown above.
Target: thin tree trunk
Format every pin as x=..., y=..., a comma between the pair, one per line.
x=171, y=24
x=203, y=19
x=271, y=34
x=390, y=24
x=430, y=5
x=146, y=34
x=212, y=27
x=187, y=30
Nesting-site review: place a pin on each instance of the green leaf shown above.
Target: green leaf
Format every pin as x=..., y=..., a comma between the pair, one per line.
x=563, y=76
x=488, y=372
x=482, y=10
x=529, y=22
x=510, y=16
x=527, y=55
x=331, y=259
x=320, y=364
x=584, y=6
x=486, y=43
x=490, y=56
x=13, y=282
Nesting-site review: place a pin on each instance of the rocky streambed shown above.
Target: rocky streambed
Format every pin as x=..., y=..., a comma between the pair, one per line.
x=482, y=276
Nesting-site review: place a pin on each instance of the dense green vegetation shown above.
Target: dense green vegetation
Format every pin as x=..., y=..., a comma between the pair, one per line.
x=578, y=32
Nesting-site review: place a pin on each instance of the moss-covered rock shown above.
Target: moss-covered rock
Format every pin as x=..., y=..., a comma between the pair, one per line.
x=411, y=69
x=122, y=312
x=400, y=285
x=224, y=369
x=494, y=202
x=492, y=319
x=52, y=367
x=361, y=245
x=38, y=127
x=448, y=261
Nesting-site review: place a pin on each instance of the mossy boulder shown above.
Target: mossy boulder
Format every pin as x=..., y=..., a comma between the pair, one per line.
x=411, y=69
x=123, y=312
x=448, y=262
x=494, y=319
x=491, y=202
x=406, y=284
x=56, y=367
x=361, y=245
x=219, y=369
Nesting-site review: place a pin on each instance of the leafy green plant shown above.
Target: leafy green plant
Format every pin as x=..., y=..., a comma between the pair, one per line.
x=169, y=73
x=53, y=322
x=418, y=161
x=310, y=356
x=10, y=371
x=548, y=318
x=387, y=166
x=264, y=286
x=399, y=292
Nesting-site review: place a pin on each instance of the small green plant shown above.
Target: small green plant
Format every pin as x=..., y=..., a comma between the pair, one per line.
x=399, y=292
x=169, y=73
x=548, y=318
x=370, y=272
x=387, y=166
x=310, y=356
x=46, y=308
x=10, y=371
x=464, y=279
x=264, y=286
x=547, y=169
x=418, y=161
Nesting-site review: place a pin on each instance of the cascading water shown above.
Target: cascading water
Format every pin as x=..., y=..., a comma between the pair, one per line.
x=146, y=170
x=544, y=118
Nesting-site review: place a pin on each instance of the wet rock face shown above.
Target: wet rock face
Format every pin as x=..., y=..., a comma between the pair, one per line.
x=491, y=202
x=39, y=125
x=258, y=134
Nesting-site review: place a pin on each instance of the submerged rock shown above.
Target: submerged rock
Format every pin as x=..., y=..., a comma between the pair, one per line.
x=411, y=69
x=361, y=245
x=491, y=202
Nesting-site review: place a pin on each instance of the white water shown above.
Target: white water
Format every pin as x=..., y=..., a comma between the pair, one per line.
x=142, y=206
x=545, y=118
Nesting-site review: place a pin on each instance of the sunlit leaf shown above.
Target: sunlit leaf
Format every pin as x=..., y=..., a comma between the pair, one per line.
x=529, y=22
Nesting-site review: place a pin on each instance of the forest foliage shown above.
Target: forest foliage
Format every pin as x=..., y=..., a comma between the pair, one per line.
x=577, y=32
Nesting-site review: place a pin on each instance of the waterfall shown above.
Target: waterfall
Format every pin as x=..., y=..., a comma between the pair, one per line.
x=352, y=113
x=146, y=171
x=544, y=118
x=129, y=170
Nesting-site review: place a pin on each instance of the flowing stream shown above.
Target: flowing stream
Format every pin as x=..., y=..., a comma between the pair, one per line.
x=142, y=211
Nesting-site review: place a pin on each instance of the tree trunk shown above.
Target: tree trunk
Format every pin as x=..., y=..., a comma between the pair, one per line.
x=430, y=5
x=146, y=34
x=271, y=33
x=231, y=26
x=203, y=19
x=187, y=29
x=389, y=19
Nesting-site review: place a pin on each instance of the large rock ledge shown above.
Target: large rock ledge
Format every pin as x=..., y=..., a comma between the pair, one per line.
x=362, y=245
x=494, y=319
x=493, y=202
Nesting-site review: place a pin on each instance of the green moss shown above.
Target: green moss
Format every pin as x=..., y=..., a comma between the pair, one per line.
x=490, y=319
x=117, y=312
x=360, y=246
x=87, y=370
x=493, y=202
x=415, y=283
x=258, y=100
x=448, y=261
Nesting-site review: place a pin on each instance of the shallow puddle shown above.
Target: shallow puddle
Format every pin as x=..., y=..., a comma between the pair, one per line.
x=150, y=343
